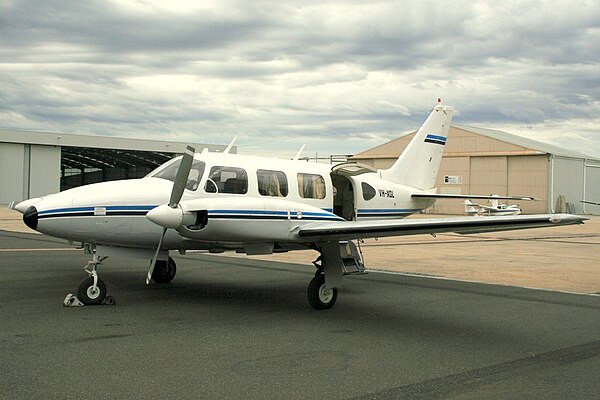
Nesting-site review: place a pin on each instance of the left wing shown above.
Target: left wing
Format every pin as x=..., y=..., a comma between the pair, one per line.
x=349, y=230
x=467, y=196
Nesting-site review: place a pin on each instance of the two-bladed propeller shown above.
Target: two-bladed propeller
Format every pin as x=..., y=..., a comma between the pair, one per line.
x=171, y=215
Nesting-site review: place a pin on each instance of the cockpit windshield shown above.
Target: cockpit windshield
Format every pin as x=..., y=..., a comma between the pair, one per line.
x=170, y=171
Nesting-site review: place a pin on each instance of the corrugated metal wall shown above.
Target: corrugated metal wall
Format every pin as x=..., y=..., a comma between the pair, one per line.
x=12, y=172
x=28, y=171
x=44, y=170
x=568, y=181
x=592, y=188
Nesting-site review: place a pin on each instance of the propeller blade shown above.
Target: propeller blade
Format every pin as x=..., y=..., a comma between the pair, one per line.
x=153, y=262
x=182, y=175
x=176, y=193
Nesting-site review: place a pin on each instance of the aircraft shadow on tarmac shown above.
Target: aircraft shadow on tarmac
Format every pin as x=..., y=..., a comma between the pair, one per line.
x=386, y=304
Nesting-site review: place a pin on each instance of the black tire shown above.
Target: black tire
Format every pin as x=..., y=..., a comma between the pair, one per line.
x=164, y=271
x=89, y=296
x=320, y=297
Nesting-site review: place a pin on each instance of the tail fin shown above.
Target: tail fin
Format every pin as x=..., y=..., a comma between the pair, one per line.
x=419, y=163
x=470, y=207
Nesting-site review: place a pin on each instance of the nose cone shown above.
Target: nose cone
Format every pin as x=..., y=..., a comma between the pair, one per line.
x=166, y=216
x=24, y=205
x=30, y=217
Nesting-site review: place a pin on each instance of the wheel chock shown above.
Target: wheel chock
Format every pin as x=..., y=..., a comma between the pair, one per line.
x=72, y=301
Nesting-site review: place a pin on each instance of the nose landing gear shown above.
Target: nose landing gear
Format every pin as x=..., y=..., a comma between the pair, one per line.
x=92, y=290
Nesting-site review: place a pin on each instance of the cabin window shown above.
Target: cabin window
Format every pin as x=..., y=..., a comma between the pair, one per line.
x=170, y=171
x=368, y=191
x=227, y=180
x=272, y=183
x=311, y=186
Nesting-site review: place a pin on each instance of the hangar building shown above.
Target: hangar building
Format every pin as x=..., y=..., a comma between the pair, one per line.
x=486, y=161
x=33, y=164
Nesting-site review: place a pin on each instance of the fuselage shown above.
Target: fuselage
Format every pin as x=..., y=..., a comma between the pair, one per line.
x=500, y=209
x=231, y=202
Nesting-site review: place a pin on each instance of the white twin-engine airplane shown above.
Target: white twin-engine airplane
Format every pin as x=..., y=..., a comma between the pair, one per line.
x=226, y=202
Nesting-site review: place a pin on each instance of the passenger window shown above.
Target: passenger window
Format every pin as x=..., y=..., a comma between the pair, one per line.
x=311, y=186
x=368, y=191
x=272, y=183
x=194, y=176
x=227, y=180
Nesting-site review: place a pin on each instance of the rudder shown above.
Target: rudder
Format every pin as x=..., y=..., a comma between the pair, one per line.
x=419, y=163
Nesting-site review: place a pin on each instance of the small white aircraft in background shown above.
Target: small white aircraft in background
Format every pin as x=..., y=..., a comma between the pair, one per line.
x=226, y=202
x=494, y=208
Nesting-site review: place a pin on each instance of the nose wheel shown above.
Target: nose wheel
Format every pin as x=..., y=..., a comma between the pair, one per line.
x=89, y=293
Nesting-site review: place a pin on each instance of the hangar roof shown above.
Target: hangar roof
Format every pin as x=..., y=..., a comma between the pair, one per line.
x=532, y=146
x=523, y=141
x=99, y=142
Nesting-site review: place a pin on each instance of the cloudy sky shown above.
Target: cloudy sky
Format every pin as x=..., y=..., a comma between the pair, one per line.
x=340, y=76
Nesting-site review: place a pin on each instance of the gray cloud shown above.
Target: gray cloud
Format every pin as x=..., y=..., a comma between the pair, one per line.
x=287, y=73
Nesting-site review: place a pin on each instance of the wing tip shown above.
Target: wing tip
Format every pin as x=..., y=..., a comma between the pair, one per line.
x=566, y=219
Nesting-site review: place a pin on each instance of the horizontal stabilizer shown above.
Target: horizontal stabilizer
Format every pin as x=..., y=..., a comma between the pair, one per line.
x=349, y=230
x=590, y=202
x=468, y=196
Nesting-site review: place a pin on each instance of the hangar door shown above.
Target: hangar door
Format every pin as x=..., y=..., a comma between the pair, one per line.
x=489, y=175
x=512, y=176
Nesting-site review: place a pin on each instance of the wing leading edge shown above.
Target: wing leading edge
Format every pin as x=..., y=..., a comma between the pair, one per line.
x=349, y=230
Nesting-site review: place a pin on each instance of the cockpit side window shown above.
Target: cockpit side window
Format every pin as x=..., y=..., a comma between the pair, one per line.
x=227, y=180
x=194, y=177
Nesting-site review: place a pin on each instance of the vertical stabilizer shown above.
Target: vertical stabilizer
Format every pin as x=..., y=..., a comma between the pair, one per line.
x=470, y=207
x=419, y=163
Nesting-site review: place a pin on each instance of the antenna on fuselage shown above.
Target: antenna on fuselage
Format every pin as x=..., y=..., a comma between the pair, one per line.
x=299, y=153
x=228, y=149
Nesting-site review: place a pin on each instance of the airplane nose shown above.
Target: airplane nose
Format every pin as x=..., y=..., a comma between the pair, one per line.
x=24, y=205
x=30, y=217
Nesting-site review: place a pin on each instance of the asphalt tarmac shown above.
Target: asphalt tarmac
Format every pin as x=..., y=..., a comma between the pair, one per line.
x=241, y=328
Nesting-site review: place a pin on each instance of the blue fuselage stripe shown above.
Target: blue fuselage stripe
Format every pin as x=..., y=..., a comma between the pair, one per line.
x=219, y=214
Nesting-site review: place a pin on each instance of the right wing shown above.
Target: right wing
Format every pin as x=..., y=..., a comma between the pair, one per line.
x=350, y=230
x=590, y=202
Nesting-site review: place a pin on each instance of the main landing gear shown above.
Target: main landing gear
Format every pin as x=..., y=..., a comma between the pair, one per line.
x=164, y=271
x=321, y=297
x=336, y=260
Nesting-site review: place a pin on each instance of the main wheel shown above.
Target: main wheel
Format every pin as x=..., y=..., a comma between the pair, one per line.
x=164, y=271
x=321, y=297
x=89, y=294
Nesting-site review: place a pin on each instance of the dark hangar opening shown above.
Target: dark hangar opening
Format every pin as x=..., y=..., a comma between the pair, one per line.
x=84, y=165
